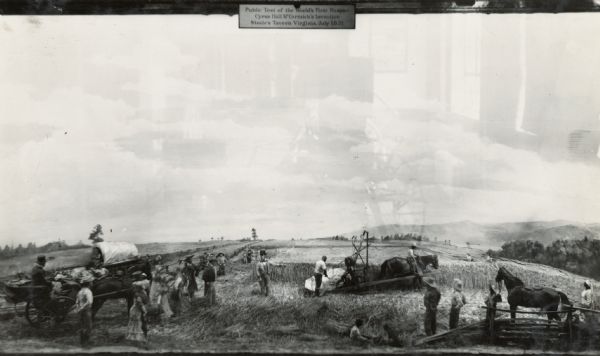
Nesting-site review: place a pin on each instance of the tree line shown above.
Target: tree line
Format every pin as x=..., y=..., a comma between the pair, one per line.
x=407, y=236
x=31, y=248
x=577, y=256
x=396, y=236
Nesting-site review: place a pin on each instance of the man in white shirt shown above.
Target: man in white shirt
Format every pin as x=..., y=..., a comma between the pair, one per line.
x=83, y=306
x=412, y=258
x=263, y=270
x=320, y=270
x=587, y=299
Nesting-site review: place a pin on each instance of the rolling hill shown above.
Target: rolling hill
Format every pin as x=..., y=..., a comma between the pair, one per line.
x=492, y=235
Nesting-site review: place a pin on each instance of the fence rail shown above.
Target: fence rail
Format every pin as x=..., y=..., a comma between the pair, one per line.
x=515, y=328
x=528, y=312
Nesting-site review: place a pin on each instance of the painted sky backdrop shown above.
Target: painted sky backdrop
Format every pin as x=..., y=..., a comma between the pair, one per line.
x=185, y=127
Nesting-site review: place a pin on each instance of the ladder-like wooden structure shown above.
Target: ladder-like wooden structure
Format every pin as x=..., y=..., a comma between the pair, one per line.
x=360, y=244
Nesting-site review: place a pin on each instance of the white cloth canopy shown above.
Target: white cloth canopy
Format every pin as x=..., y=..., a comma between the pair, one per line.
x=115, y=252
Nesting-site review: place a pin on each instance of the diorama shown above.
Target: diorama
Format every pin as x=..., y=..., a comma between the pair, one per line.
x=288, y=177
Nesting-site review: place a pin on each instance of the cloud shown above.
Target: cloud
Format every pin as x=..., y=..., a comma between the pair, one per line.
x=175, y=150
x=447, y=172
x=139, y=133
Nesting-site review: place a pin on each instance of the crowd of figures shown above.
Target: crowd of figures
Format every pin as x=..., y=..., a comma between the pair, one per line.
x=170, y=292
x=154, y=290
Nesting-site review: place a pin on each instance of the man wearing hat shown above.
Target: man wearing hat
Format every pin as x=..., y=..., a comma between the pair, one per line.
x=431, y=301
x=412, y=259
x=190, y=272
x=38, y=274
x=587, y=299
x=221, y=259
x=249, y=255
x=209, y=276
x=38, y=279
x=141, y=279
x=320, y=271
x=458, y=301
x=263, y=270
x=83, y=306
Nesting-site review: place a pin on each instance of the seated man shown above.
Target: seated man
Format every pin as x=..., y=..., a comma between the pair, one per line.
x=355, y=334
x=349, y=277
x=41, y=286
x=38, y=274
x=96, y=260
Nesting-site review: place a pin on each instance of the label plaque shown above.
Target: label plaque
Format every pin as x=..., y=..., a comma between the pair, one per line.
x=302, y=17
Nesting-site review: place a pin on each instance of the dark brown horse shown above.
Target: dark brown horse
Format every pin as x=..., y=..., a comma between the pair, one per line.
x=111, y=287
x=119, y=287
x=395, y=267
x=547, y=299
x=143, y=265
x=399, y=267
x=428, y=260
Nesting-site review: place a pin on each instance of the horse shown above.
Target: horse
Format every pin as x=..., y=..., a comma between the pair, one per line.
x=395, y=267
x=546, y=299
x=398, y=267
x=429, y=260
x=143, y=265
x=111, y=287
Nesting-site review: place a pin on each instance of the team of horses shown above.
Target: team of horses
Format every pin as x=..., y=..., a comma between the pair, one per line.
x=547, y=299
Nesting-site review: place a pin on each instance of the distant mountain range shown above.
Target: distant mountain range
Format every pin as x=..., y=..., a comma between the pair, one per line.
x=492, y=235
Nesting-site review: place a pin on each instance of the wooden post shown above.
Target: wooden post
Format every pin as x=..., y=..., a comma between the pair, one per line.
x=492, y=314
x=570, y=323
x=367, y=263
x=366, y=271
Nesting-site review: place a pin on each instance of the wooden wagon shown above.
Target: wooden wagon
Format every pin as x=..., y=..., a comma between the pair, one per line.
x=45, y=305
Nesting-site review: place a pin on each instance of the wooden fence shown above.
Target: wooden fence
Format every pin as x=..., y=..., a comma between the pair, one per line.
x=530, y=329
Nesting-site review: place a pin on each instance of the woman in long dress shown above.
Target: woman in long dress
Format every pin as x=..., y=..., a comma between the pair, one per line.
x=165, y=281
x=157, y=271
x=136, y=330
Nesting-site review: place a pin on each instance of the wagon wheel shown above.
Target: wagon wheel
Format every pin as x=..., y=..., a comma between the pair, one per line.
x=60, y=307
x=38, y=318
x=51, y=313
